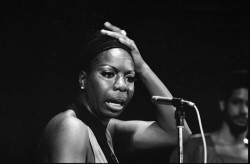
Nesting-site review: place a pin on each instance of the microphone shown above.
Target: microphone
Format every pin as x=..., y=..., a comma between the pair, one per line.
x=171, y=101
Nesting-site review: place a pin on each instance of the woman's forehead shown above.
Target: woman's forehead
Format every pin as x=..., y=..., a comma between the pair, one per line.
x=115, y=56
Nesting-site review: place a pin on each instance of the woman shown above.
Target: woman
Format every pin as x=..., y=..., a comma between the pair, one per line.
x=84, y=132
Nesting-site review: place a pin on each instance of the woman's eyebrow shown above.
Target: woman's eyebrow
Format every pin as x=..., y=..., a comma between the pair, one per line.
x=109, y=66
x=116, y=70
x=130, y=72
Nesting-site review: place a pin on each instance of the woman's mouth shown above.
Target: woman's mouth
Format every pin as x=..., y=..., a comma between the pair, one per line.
x=115, y=105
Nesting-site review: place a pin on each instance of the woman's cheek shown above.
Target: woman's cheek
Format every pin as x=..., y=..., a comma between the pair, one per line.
x=131, y=90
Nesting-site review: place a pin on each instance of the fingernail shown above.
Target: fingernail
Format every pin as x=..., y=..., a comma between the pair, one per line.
x=107, y=23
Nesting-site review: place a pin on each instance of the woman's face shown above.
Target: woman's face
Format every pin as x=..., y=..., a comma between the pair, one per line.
x=110, y=83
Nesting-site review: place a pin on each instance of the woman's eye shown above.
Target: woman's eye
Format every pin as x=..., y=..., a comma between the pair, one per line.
x=131, y=79
x=108, y=74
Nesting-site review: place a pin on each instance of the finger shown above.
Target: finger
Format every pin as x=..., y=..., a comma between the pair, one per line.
x=112, y=34
x=128, y=43
x=115, y=28
x=123, y=39
x=112, y=27
x=123, y=32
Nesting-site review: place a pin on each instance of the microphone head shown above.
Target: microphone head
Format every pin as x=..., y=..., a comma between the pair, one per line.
x=161, y=100
x=171, y=101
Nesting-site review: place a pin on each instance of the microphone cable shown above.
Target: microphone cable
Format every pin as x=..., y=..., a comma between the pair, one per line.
x=202, y=134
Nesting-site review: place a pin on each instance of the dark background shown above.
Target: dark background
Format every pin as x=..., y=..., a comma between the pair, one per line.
x=189, y=44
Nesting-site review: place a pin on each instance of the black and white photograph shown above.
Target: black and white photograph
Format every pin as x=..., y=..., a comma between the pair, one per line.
x=124, y=81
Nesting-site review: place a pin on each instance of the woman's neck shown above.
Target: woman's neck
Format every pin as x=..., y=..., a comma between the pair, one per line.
x=85, y=102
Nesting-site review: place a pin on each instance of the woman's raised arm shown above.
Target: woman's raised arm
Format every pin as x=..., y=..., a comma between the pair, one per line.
x=148, y=134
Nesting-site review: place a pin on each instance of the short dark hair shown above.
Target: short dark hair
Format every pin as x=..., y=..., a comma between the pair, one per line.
x=94, y=43
x=234, y=80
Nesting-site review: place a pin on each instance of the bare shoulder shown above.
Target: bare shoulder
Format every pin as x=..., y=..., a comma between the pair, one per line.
x=66, y=126
x=65, y=137
x=66, y=121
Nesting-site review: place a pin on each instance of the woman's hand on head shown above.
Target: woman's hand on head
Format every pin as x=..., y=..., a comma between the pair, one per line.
x=121, y=35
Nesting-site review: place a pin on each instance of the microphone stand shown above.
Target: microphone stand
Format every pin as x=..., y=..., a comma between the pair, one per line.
x=180, y=117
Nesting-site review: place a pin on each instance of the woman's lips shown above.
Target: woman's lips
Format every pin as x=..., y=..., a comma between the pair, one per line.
x=115, y=104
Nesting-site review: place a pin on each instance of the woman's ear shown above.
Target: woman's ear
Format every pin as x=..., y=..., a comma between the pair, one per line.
x=82, y=79
x=222, y=105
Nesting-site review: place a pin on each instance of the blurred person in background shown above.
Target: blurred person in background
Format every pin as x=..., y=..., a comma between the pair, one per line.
x=229, y=143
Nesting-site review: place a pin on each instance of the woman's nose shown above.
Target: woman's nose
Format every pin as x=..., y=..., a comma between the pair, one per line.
x=120, y=84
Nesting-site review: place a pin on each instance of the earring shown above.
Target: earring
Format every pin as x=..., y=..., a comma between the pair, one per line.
x=82, y=87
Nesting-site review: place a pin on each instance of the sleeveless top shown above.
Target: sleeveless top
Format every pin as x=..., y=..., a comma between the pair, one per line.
x=98, y=153
x=100, y=138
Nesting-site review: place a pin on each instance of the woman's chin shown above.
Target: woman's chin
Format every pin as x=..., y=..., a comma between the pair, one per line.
x=113, y=113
